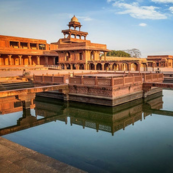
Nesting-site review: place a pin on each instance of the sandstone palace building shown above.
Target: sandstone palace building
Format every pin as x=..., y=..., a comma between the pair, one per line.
x=73, y=51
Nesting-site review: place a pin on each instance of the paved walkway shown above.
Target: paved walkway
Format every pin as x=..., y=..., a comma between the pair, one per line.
x=15, y=158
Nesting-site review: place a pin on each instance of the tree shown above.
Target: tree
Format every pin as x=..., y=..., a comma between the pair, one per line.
x=134, y=52
x=118, y=53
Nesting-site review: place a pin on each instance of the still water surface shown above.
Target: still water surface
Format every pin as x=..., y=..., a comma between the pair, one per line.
x=124, y=139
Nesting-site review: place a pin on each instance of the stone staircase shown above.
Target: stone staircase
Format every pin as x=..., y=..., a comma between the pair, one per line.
x=15, y=85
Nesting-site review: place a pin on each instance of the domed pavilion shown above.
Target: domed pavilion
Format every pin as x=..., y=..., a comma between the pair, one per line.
x=75, y=51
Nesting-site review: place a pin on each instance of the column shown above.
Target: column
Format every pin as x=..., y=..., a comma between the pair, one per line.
x=104, y=56
x=77, y=66
x=29, y=57
x=129, y=66
x=95, y=66
x=46, y=60
x=138, y=68
x=29, y=46
x=94, y=56
x=111, y=66
x=103, y=66
x=153, y=65
x=53, y=60
x=37, y=46
x=38, y=60
x=1, y=60
x=19, y=45
x=65, y=66
x=146, y=67
x=9, y=60
x=119, y=66
x=20, y=59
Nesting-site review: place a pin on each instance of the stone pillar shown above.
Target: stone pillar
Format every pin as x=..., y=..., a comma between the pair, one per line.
x=71, y=66
x=129, y=66
x=138, y=67
x=65, y=66
x=153, y=65
x=54, y=60
x=9, y=60
x=103, y=66
x=38, y=60
x=146, y=67
x=20, y=59
x=111, y=66
x=26, y=99
x=29, y=57
x=95, y=66
x=37, y=46
x=104, y=56
x=29, y=46
x=94, y=56
x=119, y=66
x=46, y=60
x=1, y=60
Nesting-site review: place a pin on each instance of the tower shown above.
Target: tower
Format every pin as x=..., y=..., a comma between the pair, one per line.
x=72, y=32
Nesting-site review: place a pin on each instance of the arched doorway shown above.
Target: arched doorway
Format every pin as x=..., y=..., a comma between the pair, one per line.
x=134, y=67
x=99, y=66
x=91, y=66
x=115, y=67
x=106, y=66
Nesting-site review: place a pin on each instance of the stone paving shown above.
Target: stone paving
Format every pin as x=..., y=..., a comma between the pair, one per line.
x=15, y=158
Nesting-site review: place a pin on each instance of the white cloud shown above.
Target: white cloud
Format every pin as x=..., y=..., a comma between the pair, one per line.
x=85, y=18
x=140, y=12
x=143, y=24
x=171, y=9
x=163, y=1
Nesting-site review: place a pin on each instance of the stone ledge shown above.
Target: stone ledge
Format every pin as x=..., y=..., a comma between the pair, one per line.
x=16, y=158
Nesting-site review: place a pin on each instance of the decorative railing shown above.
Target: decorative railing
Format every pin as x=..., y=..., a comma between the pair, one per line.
x=117, y=81
x=50, y=79
x=97, y=81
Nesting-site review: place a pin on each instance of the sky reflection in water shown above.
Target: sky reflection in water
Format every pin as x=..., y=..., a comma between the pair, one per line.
x=146, y=146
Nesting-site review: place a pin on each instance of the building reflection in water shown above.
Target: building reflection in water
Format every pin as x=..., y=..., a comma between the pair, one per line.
x=109, y=119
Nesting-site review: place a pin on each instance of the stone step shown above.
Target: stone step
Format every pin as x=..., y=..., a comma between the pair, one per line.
x=11, y=86
x=16, y=158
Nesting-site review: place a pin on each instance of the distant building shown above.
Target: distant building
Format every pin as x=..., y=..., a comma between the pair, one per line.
x=18, y=51
x=160, y=60
x=73, y=51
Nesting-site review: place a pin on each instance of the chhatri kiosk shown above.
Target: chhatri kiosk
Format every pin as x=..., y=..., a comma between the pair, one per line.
x=75, y=51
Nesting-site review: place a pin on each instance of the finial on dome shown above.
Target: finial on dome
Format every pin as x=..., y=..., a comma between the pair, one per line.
x=74, y=19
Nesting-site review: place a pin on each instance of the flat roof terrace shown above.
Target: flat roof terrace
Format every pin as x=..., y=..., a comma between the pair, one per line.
x=105, y=75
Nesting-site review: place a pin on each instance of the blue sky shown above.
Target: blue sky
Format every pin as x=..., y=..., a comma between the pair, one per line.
x=121, y=24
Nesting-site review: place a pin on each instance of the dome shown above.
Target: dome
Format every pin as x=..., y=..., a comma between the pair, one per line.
x=74, y=19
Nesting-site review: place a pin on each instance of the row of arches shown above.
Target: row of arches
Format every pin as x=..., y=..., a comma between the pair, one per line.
x=115, y=66
x=105, y=66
